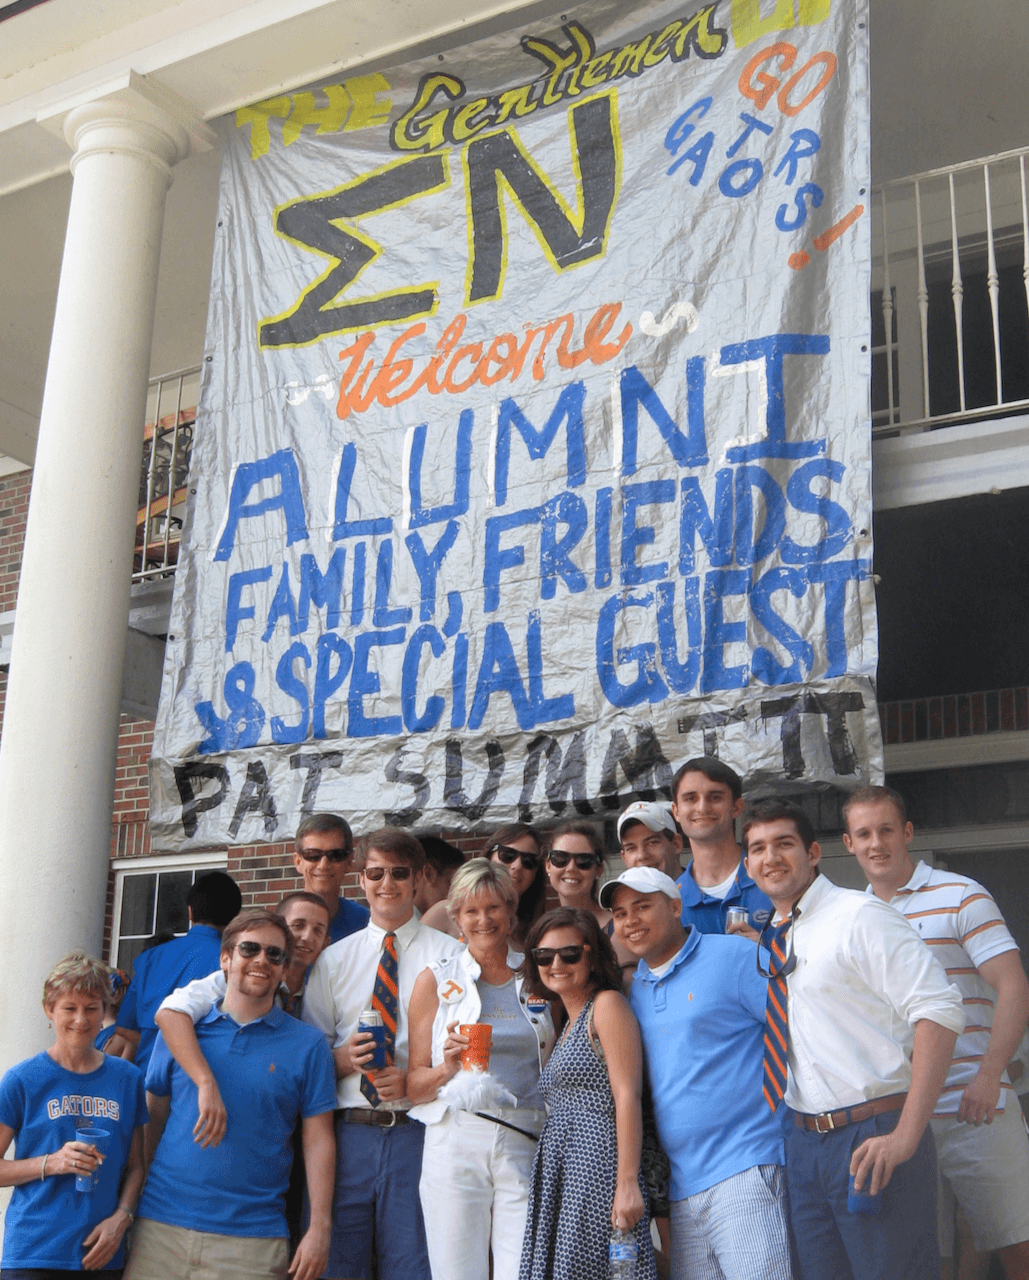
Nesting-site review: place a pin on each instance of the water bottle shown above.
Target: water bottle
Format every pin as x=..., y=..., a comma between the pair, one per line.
x=622, y=1254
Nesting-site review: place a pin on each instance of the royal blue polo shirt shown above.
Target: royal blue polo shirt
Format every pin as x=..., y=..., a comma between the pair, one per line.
x=157, y=973
x=270, y=1072
x=703, y=1027
x=350, y=917
x=706, y=914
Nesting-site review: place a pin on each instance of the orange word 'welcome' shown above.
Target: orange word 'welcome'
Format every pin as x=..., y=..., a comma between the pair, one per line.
x=453, y=368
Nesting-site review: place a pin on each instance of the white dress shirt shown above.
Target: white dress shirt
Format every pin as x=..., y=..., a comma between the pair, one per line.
x=863, y=979
x=341, y=981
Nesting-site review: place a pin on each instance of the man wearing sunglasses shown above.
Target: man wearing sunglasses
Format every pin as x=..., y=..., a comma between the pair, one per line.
x=225, y=1201
x=869, y=1021
x=379, y=1145
x=700, y=1003
x=324, y=857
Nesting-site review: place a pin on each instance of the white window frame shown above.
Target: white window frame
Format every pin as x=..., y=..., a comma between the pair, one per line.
x=215, y=860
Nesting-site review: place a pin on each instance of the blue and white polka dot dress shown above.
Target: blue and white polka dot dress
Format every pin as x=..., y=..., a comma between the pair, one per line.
x=573, y=1176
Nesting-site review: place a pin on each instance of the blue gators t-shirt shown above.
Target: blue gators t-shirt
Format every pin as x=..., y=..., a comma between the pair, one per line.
x=45, y=1105
x=270, y=1073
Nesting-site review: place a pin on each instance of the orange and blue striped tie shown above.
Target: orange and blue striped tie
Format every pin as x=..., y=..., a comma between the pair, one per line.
x=777, y=1031
x=384, y=1000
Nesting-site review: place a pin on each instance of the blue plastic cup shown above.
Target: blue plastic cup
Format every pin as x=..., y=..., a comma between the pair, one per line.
x=378, y=1035
x=863, y=1201
x=99, y=1138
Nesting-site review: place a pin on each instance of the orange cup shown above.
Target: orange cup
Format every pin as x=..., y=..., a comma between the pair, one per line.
x=480, y=1037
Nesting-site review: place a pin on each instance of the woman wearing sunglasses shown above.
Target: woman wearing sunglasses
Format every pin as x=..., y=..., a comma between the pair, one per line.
x=72, y=1112
x=477, y=1161
x=517, y=847
x=586, y=1176
x=575, y=861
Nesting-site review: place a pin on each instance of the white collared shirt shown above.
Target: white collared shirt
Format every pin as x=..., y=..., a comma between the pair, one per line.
x=341, y=982
x=863, y=978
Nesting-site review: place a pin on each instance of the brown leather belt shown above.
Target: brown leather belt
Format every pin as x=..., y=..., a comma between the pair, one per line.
x=384, y=1119
x=827, y=1121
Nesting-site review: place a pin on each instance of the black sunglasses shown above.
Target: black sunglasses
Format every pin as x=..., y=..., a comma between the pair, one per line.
x=333, y=855
x=558, y=858
x=544, y=956
x=508, y=856
x=395, y=873
x=248, y=949
x=777, y=968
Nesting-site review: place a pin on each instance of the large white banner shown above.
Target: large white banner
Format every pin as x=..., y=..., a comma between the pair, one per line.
x=534, y=445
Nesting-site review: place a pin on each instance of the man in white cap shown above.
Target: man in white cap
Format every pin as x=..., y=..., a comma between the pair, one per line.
x=648, y=837
x=700, y=1003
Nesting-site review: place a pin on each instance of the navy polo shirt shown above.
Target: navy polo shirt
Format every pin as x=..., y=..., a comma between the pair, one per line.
x=157, y=973
x=703, y=1027
x=270, y=1072
x=350, y=917
x=706, y=914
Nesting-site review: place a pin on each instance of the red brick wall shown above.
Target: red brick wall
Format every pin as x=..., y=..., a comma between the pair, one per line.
x=14, y=507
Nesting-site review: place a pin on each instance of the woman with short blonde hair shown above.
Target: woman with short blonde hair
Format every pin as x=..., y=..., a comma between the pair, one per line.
x=72, y=1112
x=477, y=1154
x=480, y=876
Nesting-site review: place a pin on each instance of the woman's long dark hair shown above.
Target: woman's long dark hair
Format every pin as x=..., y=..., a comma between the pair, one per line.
x=605, y=973
x=530, y=904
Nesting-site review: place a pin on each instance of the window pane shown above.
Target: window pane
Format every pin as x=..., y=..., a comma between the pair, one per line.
x=137, y=906
x=172, y=916
x=128, y=950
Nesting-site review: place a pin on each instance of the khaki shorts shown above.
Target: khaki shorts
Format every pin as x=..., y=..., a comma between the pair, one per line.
x=986, y=1169
x=160, y=1252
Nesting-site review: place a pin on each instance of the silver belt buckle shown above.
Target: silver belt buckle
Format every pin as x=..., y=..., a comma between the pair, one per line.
x=392, y=1122
x=824, y=1122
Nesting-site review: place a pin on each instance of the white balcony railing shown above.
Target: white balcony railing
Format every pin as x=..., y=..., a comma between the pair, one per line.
x=167, y=445
x=950, y=295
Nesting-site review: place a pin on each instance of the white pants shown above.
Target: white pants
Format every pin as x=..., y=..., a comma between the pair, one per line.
x=476, y=1175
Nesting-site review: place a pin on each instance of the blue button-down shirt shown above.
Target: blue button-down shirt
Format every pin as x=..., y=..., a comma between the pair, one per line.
x=706, y=914
x=703, y=1026
x=270, y=1072
x=157, y=973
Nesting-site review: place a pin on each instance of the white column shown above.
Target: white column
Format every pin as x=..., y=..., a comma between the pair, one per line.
x=60, y=728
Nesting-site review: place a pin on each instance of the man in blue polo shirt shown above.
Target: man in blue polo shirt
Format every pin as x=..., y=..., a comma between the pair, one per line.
x=700, y=1003
x=212, y=902
x=219, y=1208
x=324, y=857
x=707, y=798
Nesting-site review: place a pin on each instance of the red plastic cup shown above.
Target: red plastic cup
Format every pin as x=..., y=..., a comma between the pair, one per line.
x=480, y=1037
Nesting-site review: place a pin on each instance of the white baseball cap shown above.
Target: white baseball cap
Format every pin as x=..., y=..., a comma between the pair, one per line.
x=656, y=816
x=645, y=879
